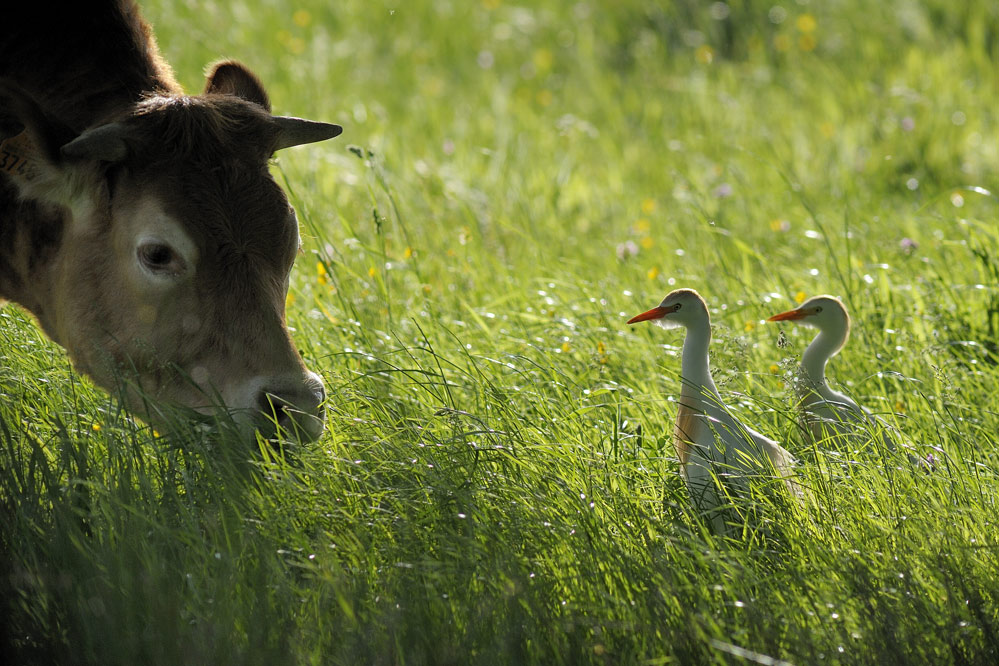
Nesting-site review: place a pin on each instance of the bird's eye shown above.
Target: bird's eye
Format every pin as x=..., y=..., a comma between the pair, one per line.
x=818, y=309
x=677, y=307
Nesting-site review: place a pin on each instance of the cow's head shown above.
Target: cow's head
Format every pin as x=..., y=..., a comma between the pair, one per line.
x=176, y=249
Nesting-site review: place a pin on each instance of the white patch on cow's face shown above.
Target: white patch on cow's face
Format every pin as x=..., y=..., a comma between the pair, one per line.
x=162, y=254
x=127, y=298
x=156, y=260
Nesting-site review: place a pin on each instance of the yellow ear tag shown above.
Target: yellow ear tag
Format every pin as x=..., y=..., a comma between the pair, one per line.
x=14, y=156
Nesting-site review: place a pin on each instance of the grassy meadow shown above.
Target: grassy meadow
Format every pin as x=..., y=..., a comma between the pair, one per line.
x=497, y=483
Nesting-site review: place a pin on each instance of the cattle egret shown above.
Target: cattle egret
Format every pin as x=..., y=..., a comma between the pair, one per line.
x=711, y=443
x=828, y=413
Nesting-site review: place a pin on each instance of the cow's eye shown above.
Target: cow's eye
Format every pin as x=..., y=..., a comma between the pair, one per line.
x=159, y=258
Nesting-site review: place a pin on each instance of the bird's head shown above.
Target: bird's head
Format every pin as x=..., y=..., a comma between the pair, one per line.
x=681, y=307
x=826, y=313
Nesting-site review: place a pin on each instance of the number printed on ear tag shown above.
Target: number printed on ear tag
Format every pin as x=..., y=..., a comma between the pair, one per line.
x=14, y=153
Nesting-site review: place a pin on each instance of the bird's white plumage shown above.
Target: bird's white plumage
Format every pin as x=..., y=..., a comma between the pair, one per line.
x=830, y=415
x=711, y=443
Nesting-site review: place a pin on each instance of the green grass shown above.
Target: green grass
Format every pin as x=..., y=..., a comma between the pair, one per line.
x=497, y=483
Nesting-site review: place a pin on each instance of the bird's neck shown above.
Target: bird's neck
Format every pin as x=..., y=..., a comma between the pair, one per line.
x=694, y=365
x=813, y=362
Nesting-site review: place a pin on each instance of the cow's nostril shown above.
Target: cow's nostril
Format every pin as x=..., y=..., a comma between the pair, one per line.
x=296, y=414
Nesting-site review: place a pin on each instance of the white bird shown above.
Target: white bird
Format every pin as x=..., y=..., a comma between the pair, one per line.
x=828, y=413
x=711, y=443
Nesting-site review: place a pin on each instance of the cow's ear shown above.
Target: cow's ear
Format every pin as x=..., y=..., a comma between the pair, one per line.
x=30, y=150
x=233, y=78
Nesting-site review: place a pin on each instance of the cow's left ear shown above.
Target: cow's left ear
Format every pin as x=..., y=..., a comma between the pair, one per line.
x=234, y=78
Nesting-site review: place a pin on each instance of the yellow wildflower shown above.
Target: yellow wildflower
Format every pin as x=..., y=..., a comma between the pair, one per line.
x=806, y=23
x=543, y=60
x=653, y=273
x=326, y=313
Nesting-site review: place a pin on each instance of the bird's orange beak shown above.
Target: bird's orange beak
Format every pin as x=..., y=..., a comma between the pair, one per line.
x=790, y=315
x=654, y=313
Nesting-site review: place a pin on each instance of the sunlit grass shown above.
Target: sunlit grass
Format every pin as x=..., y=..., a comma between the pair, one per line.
x=497, y=483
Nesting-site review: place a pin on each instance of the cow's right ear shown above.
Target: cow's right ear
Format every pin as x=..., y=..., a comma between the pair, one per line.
x=31, y=151
x=18, y=110
x=30, y=139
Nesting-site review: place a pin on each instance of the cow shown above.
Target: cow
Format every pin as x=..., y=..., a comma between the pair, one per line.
x=141, y=226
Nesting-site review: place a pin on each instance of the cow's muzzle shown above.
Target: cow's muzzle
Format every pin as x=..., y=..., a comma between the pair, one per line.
x=292, y=408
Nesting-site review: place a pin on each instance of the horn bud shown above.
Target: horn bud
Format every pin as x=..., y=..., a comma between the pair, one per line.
x=298, y=131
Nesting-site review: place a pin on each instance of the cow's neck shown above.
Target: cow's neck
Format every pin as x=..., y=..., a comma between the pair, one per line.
x=115, y=60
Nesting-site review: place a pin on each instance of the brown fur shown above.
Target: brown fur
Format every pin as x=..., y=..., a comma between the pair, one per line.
x=203, y=160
